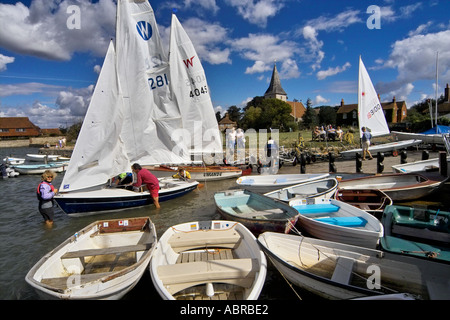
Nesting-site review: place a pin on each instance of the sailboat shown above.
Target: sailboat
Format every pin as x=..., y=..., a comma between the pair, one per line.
x=200, y=128
x=371, y=116
x=131, y=119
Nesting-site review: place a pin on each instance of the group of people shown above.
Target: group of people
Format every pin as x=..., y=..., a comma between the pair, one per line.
x=137, y=178
x=235, y=138
x=328, y=133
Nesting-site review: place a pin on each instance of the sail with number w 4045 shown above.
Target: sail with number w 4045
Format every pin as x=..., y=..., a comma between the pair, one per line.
x=370, y=111
x=191, y=91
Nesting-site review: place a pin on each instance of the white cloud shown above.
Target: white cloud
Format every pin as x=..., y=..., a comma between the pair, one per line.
x=415, y=59
x=257, y=12
x=264, y=49
x=320, y=100
x=41, y=30
x=28, y=89
x=337, y=23
x=4, y=60
x=310, y=33
x=332, y=71
x=209, y=39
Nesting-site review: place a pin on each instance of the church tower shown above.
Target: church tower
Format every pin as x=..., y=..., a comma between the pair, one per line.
x=275, y=91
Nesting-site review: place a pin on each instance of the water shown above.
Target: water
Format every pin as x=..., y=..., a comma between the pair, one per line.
x=24, y=238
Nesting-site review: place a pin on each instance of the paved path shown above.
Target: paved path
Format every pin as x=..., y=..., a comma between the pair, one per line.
x=349, y=166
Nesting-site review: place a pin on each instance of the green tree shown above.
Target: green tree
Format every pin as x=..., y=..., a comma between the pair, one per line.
x=310, y=118
x=327, y=115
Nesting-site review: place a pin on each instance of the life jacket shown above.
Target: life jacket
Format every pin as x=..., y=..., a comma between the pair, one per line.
x=38, y=191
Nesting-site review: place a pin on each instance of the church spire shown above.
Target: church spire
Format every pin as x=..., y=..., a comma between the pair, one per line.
x=275, y=90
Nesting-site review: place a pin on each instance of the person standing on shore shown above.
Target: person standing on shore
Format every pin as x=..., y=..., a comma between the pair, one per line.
x=146, y=177
x=45, y=193
x=366, y=136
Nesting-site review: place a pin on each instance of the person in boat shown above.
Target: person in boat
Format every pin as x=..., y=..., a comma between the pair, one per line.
x=182, y=174
x=143, y=176
x=45, y=193
x=366, y=136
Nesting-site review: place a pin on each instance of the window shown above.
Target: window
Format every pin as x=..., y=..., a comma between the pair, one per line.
x=20, y=130
x=355, y=114
x=344, y=116
x=4, y=130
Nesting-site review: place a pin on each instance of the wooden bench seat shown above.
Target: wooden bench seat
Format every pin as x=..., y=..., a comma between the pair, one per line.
x=343, y=270
x=105, y=251
x=177, y=277
x=67, y=282
x=182, y=241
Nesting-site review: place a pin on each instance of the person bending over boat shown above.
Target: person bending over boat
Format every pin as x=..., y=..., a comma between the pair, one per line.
x=45, y=193
x=146, y=177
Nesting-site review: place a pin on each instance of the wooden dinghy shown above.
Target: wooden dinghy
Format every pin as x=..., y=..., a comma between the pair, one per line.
x=105, y=260
x=398, y=186
x=339, y=271
x=199, y=173
x=334, y=220
x=372, y=201
x=418, y=232
x=255, y=211
x=208, y=260
x=323, y=188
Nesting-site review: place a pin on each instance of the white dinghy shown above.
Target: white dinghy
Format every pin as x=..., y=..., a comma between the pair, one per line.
x=339, y=271
x=334, y=220
x=208, y=260
x=105, y=260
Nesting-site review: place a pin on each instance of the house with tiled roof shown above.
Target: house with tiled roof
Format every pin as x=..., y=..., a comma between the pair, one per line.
x=444, y=106
x=226, y=123
x=394, y=111
x=276, y=91
x=17, y=127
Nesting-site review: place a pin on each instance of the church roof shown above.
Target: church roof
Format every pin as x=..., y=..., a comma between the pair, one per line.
x=275, y=84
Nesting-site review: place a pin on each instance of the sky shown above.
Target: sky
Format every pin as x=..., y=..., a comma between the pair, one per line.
x=50, y=56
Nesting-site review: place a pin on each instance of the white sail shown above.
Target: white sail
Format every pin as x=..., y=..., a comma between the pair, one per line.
x=189, y=86
x=370, y=112
x=99, y=151
x=143, y=69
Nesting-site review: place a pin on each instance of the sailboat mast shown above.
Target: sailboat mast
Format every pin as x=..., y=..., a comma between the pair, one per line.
x=437, y=75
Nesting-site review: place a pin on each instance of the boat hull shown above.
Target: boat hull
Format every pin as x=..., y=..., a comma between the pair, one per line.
x=268, y=183
x=399, y=187
x=199, y=173
x=256, y=212
x=323, y=223
x=220, y=247
x=386, y=147
x=40, y=168
x=75, y=270
x=114, y=199
x=312, y=264
x=323, y=189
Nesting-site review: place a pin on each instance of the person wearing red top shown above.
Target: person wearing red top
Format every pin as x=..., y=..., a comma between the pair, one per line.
x=146, y=177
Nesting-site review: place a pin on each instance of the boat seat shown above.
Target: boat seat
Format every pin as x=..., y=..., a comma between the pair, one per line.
x=245, y=208
x=316, y=208
x=79, y=279
x=105, y=251
x=182, y=241
x=343, y=270
x=344, y=221
x=176, y=277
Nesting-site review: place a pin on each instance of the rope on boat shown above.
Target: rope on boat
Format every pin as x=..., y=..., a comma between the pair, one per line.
x=319, y=251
